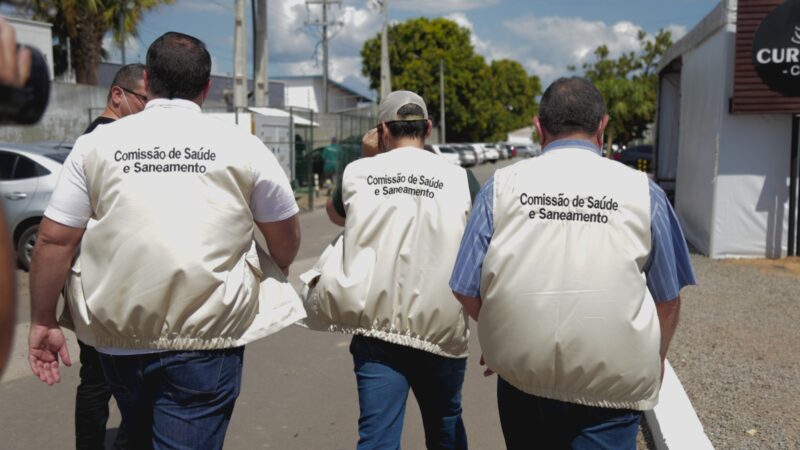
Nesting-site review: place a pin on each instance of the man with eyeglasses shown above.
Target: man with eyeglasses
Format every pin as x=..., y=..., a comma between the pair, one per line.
x=125, y=97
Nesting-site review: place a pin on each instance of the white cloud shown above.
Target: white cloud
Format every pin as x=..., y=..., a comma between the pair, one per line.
x=440, y=6
x=547, y=45
x=205, y=6
x=485, y=48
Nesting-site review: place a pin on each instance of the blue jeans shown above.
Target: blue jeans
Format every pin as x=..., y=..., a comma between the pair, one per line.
x=177, y=399
x=91, y=405
x=385, y=372
x=531, y=422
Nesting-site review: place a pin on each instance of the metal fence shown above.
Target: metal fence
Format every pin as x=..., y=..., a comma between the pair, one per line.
x=312, y=133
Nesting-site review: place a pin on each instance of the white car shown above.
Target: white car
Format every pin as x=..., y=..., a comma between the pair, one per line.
x=445, y=151
x=489, y=151
x=28, y=175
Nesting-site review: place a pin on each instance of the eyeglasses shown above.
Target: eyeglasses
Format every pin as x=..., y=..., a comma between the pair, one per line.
x=141, y=97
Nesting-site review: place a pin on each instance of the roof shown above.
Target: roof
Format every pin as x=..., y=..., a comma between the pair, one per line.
x=722, y=15
x=364, y=97
x=274, y=112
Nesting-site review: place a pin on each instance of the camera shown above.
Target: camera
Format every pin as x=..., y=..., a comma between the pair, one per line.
x=26, y=105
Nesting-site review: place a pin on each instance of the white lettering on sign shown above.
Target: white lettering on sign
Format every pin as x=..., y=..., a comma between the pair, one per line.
x=778, y=55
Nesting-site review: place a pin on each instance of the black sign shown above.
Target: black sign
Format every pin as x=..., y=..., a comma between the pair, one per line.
x=776, y=49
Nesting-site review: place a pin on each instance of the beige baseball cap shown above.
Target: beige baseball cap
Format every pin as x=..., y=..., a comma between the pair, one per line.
x=387, y=111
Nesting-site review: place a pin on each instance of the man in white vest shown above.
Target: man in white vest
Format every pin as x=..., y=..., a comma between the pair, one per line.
x=404, y=211
x=572, y=264
x=168, y=280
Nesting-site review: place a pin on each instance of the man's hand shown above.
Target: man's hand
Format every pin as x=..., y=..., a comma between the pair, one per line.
x=45, y=344
x=486, y=372
x=471, y=305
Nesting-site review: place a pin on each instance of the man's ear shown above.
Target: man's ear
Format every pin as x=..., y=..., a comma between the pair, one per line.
x=537, y=123
x=207, y=89
x=116, y=96
x=430, y=129
x=146, y=80
x=601, y=129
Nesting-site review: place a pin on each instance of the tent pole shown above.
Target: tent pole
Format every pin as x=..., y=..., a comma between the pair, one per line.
x=794, y=236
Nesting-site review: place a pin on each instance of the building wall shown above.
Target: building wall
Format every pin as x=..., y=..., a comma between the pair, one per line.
x=307, y=92
x=70, y=110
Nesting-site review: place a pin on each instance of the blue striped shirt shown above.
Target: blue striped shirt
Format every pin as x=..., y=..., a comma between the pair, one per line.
x=668, y=269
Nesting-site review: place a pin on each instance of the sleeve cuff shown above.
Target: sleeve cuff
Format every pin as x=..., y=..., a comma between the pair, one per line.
x=65, y=219
x=277, y=217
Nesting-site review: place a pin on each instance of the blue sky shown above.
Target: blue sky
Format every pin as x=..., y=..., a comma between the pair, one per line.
x=545, y=36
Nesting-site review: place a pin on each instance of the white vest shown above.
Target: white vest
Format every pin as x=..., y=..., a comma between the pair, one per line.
x=169, y=260
x=566, y=311
x=388, y=277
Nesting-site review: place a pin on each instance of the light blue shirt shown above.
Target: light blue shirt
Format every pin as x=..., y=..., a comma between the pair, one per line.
x=668, y=269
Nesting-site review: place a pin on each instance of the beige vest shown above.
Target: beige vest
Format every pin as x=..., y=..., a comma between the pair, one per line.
x=566, y=311
x=388, y=276
x=169, y=260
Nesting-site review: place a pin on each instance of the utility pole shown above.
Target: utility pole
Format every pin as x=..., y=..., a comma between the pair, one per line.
x=122, y=4
x=441, y=101
x=261, y=78
x=239, y=59
x=386, y=76
x=325, y=24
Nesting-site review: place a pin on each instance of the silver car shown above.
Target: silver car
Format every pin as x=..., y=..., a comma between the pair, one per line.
x=28, y=175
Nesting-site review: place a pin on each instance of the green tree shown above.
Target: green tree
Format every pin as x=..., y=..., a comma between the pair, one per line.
x=629, y=85
x=84, y=23
x=474, y=92
x=513, y=94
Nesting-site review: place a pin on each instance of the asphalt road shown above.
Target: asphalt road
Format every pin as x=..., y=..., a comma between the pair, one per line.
x=298, y=389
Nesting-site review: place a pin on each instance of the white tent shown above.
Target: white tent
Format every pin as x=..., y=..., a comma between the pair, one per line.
x=730, y=172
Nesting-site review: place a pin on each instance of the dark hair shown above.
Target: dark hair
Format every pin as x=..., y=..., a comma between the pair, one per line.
x=127, y=76
x=178, y=66
x=571, y=105
x=416, y=129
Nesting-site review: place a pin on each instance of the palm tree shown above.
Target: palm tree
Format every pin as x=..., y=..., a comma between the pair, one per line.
x=84, y=23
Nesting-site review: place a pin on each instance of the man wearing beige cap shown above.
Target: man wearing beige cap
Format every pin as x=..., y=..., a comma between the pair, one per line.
x=404, y=211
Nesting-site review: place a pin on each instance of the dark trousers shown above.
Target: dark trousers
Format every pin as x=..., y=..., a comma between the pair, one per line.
x=385, y=372
x=531, y=422
x=91, y=405
x=176, y=399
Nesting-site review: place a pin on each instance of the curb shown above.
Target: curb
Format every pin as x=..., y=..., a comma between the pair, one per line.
x=673, y=422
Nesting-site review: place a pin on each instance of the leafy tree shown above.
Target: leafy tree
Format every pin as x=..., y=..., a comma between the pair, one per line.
x=481, y=102
x=84, y=23
x=629, y=85
x=513, y=95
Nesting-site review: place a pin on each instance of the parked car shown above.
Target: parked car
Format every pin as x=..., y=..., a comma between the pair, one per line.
x=467, y=156
x=446, y=152
x=28, y=175
x=639, y=157
x=528, y=150
x=491, y=152
x=505, y=152
x=480, y=157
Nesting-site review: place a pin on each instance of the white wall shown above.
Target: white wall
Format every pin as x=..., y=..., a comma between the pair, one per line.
x=752, y=196
x=704, y=102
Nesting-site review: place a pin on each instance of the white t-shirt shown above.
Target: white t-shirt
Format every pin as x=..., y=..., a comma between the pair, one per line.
x=272, y=198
